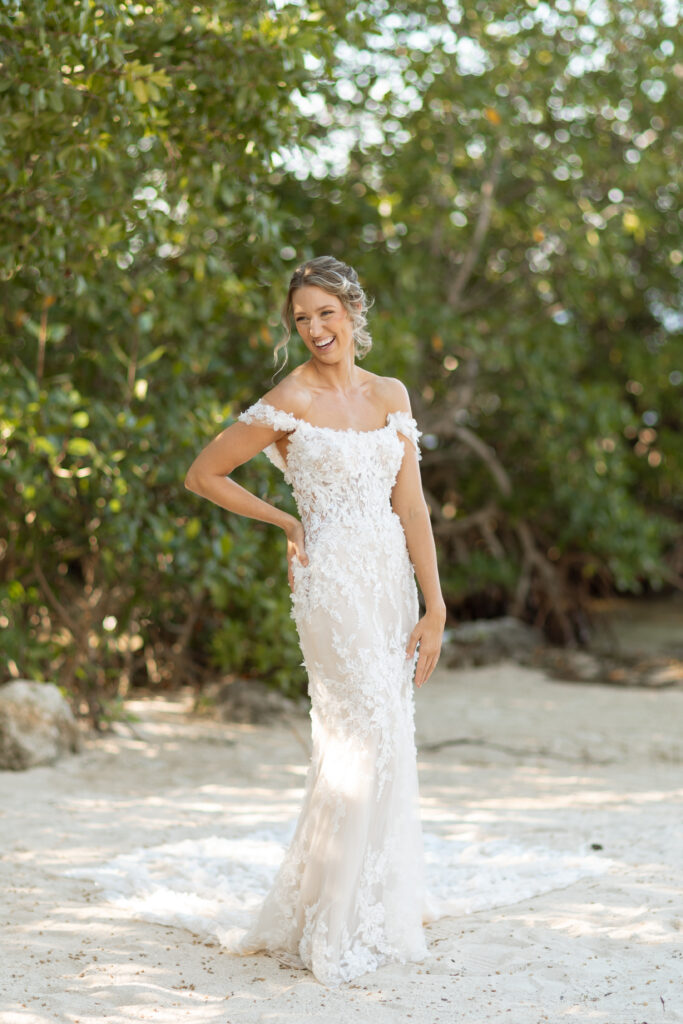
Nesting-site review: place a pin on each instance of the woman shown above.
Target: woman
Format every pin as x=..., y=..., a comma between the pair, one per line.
x=349, y=895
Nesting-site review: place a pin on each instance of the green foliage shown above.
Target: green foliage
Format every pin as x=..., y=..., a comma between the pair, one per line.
x=138, y=247
x=517, y=218
x=509, y=198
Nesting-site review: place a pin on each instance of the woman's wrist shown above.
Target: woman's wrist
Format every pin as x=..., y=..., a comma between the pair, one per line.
x=288, y=523
x=436, y=610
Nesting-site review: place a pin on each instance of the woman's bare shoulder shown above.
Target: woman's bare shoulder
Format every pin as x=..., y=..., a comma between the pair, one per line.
x=291, y=394
x=393, y=393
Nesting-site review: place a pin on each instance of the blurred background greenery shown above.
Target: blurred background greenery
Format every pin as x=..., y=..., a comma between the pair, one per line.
x=504, y=175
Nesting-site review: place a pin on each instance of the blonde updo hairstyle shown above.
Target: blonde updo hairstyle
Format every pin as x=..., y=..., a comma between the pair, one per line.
x=338, y=279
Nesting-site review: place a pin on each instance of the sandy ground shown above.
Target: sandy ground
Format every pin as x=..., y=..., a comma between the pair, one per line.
x=503, y=753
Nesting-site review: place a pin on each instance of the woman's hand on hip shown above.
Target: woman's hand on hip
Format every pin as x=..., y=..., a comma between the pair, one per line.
x=296, y=547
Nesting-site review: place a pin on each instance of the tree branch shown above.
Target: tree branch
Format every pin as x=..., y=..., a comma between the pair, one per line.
x=57, y=606
x=459, y=283
x=488, y=457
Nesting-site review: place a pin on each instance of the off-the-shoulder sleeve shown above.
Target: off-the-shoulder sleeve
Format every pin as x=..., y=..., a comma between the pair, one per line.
x=265, y=415
x=406, y=425
x=268, y=416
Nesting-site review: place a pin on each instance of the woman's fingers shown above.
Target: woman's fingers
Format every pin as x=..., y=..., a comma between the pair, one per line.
x=424, y=670
x=421, y=673
x=412, y=642
x=296, y=546
x=426, y=663
x=422, y=656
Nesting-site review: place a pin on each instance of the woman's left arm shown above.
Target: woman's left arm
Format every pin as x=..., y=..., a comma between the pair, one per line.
x=409, y=504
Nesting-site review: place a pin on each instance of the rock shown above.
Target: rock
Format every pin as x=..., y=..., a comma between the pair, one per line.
x=572, y=665
x=612, y=670
x=36, y=725
x=489, y=640
x=660, y=672
x=249, y=701
x=485, y=641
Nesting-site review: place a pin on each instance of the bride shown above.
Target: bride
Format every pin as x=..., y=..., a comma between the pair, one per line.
x=349, y=894
x=351, y=885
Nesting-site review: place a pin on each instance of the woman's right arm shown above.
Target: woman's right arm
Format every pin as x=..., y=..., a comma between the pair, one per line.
x=209, y=476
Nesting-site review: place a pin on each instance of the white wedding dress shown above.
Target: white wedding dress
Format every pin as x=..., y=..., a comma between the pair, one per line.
x=350, y=892
x=345, y=892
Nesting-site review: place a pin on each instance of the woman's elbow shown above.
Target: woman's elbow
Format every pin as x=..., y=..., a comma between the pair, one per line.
x=203, y=481
x=193, y=481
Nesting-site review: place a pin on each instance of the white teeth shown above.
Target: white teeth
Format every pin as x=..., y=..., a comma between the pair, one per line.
x=323, y=344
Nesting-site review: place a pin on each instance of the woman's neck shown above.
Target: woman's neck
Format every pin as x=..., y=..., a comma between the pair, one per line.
x=341, y=377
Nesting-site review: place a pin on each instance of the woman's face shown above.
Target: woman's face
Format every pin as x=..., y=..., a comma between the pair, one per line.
x=323, y=323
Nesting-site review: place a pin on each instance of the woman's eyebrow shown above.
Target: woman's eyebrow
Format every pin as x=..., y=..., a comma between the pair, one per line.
x=318, y=310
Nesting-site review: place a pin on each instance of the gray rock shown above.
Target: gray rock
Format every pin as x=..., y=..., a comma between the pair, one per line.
x=250, y=701
x=572, y=665
x=485, y=641
x=36, y=725
x=624, y=670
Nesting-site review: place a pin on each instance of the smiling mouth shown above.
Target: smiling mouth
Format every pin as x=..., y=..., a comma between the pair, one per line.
x=323, y=344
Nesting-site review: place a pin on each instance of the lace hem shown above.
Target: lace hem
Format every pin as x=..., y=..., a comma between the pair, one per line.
x=214, y=887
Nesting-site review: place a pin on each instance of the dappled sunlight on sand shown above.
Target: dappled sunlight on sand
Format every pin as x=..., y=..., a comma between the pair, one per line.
x=605, y=948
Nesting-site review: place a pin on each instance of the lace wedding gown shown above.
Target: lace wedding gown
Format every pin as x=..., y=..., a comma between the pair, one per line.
x=346, y=891
x=350, y=893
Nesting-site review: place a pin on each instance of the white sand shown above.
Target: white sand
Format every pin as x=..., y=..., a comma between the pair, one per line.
x=557, y=764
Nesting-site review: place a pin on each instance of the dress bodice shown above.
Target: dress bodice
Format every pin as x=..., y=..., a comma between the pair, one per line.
x=337, y=475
